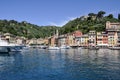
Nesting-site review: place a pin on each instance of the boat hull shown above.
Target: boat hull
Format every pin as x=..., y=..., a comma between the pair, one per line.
x=53, y=48
x=114, y=48
x=64, y=47
x=4, y=49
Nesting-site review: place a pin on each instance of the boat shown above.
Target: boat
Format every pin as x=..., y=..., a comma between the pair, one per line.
x=85, y=47
x=6, y=47
x=114, y=48
x=43, y=47
x=53, y=48
x=64, y=47
x=16, y=48
x=93, y=48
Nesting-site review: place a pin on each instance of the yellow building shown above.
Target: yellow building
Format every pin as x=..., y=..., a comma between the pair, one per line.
x=113, y=30
x=70, y=40
x=112, y=38
x=84, y=40
x=99, y=38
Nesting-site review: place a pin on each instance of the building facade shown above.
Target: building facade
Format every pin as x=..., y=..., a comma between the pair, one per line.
x=113, y=31
x=77, y=37
x=84, y=40
x=102, y=39
x=92, y=38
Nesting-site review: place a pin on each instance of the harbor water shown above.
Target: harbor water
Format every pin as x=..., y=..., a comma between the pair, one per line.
x=69, y=64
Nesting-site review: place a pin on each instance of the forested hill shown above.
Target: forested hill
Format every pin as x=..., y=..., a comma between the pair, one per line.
x=92, y=21
x=26, y=29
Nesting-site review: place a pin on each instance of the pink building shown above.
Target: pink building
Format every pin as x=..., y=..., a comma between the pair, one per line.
x=77, y=33
x=112, y=26
x=113, y=31
x=77, y=37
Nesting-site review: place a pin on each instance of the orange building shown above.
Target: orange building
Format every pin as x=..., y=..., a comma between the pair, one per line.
x=102, y=39
x=71, y=39
x=77, y=37
x=105, y=39
x=113, y=31
x=77, y=33
x=52, y=41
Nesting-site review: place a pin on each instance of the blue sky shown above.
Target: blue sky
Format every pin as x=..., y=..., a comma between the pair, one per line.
x=54, y=12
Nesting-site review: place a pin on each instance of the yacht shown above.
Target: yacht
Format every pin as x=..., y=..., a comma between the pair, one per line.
x=53, y=48
x=6, y=47
x=114, y=48
x=64, y=47
x=93, y=48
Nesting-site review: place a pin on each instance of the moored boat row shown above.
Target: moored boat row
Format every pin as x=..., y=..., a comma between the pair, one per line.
x=57, y=48
x=114, y=48
x=91, y=48
x=97, y=48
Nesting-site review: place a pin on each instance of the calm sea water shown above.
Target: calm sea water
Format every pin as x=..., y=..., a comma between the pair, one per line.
x=71, y=64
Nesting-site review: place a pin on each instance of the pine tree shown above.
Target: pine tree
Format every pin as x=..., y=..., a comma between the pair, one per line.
x=119, y=17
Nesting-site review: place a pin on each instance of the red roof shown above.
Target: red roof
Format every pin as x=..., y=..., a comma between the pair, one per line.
x=77, y=33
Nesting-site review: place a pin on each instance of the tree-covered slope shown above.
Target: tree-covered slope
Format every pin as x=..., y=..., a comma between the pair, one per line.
x=85, y=23
x=25, y=29
x=92, y=22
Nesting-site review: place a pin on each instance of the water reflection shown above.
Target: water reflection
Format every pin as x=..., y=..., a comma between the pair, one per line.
x=70, y=64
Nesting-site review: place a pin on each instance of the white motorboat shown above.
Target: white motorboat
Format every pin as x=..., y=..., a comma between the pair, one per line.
x=43, y=47
x=6, y=47
x=53, y=48
x=114, y=48
x=64, y=47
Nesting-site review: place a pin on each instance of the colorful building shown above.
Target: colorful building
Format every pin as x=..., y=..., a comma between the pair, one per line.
x=70, y=39
x=109, y=38
x=102, y=39
x=92, y=38
x=112, y=26
x=62, y=40
x=53, y=41
x=118, y=39
x=84, y=40
x=113, y=31
x=99, y=39
x=77, y=37
x=105, y=38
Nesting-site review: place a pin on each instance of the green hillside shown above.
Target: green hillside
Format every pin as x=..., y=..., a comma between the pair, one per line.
x=26, y=29
x=92, y=21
